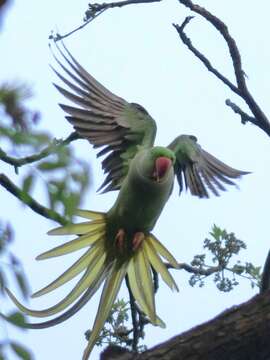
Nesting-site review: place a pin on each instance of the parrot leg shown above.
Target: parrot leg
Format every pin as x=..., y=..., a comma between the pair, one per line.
x=120, y=239
x=137, y=240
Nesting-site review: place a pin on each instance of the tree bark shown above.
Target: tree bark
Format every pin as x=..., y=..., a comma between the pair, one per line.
x=239, y=333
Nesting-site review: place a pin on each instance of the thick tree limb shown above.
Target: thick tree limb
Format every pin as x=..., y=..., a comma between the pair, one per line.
x=241, y=88
x=240, y=333
x=31, y=202
x=265, y=282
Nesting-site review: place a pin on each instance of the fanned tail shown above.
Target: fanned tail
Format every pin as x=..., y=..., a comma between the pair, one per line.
x=97, y=266
x=93, y=263
x=138, y=269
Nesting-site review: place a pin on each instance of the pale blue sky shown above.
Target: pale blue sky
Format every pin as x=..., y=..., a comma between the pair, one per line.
x=136, y=53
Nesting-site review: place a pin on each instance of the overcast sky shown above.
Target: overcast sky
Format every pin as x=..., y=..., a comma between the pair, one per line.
x=137, y=54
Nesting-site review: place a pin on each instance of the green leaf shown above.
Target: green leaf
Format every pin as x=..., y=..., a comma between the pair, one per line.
x=216, y=232
x=51, y=165
x=71, y=203
x=3, y=283
x=22, y=283
x=20, y=350
x=6, y=236
x=16, y=318
x=28, y=183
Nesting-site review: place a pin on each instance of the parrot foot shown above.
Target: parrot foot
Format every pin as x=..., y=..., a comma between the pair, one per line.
x=137, y=240
x=120, y=239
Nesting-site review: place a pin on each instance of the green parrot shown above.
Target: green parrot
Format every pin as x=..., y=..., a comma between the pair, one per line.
x=120, y=242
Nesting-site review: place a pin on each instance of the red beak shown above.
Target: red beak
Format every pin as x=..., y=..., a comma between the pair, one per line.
x=162, y=165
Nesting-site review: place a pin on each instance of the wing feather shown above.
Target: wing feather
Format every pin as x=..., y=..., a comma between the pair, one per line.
x=106, y=120
x=199, y=170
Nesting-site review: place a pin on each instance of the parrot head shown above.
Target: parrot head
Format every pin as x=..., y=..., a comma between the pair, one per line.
x=163, y=160
x=154, y=164
x=162, y=165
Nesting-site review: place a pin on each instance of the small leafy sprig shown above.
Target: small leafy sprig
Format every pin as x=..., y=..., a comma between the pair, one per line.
x=43, y=159
x=223, y=247
x=116, y=331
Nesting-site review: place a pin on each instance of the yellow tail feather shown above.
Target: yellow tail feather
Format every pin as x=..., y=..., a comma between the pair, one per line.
x=159, y=266
x=84, y=261
x=78, y=229
x=139, y=295
x=145, y=282
x=92, y=215
x=80, y=242
x=108, y=296
x=98, y=265
x=162, y=250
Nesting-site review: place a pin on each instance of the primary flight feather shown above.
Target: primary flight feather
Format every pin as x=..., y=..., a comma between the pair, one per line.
x=120, y=243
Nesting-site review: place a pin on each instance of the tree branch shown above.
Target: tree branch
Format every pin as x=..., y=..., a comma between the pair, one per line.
x=241, y=88
x=203, y=58
x=134, y=313
x=194, y=269
x=137, y=324
x=240, y=333
x=222, y=28
x=105, y=6
x=31, y=202
x=94, y=10
x=265, y=282
x=17, y=162
x=244, y=116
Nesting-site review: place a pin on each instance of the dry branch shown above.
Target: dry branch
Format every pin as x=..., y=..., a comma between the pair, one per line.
x=241, y=89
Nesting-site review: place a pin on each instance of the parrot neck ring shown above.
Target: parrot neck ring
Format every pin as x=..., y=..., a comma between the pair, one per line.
x=162, y=165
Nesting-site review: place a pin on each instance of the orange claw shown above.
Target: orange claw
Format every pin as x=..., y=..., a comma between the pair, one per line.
x=137, y=240
x=120, y=239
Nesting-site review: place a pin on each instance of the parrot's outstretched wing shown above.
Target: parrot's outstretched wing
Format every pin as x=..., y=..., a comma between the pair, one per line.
x=107, y=121
x=200, y=171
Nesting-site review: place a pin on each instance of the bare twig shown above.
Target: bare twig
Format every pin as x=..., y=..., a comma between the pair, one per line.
x=94, y=10
x=155, y=280
x=134, y=313
x=59, y=37
x=31, y=202
x=244, y=116
x=222, y=28
x=99, y=7
x=17, y=162
x=199, y=55
x=241, y=87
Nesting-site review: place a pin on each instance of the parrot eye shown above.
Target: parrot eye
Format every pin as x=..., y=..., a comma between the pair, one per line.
x=192, y=137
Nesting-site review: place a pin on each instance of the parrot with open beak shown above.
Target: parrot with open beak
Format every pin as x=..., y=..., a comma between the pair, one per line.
x=120, y=242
